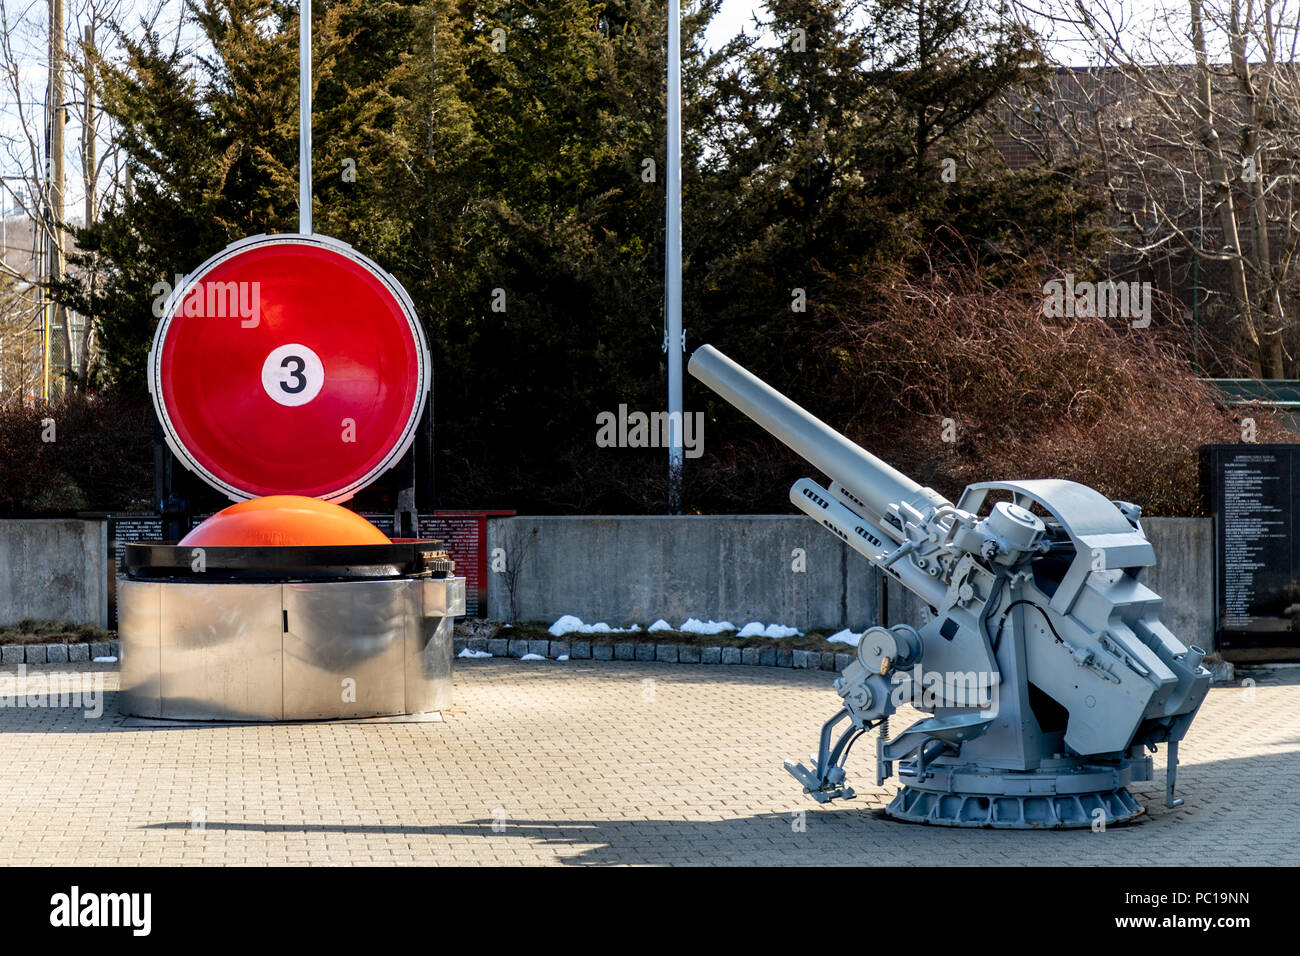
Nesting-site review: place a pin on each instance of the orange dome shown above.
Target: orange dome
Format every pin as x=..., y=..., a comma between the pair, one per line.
x=284, y=521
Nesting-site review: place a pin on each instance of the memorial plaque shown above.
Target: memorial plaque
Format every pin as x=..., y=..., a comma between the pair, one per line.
x=384, y=521
x=126, y=527
x=465, y=538
x=1257, y=549
x=464, y=534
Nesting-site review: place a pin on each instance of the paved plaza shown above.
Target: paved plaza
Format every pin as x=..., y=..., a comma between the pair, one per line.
x=585, y=763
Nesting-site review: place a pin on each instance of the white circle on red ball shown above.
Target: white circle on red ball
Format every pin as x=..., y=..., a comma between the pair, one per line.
x=293, y=374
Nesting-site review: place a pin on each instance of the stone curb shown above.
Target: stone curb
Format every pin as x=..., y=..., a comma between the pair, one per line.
x=58, y=653
x=672, y=653
x=679, y=653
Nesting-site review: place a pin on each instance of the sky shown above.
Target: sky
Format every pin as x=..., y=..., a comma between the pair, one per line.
x=734, y=16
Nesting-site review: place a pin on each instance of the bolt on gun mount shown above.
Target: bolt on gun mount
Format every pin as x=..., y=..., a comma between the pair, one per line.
x=1043, y=660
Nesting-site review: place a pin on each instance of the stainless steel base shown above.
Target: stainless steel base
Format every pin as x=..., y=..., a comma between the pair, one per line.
x=290, y=651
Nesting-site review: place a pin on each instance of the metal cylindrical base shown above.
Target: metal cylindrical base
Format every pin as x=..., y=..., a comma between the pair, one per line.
x=266, y=651
x=1078, y=797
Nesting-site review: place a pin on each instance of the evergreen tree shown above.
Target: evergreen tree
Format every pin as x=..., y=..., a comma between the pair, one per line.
x=505, y=160
x=834, y=140
x=210, y=150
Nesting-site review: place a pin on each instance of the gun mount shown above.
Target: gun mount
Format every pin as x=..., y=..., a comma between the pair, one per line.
x=1043, y=662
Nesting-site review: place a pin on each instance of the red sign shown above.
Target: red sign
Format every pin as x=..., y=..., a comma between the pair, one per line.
x=464, y=535
x=289, y=365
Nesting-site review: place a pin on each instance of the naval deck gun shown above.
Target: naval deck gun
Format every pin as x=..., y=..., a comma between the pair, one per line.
x=1044, y=666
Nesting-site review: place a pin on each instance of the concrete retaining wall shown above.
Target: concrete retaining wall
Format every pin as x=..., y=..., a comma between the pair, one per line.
x=776, y=569
x=625, y=570
x=1184, y=576
x=770, y=568
x=54, y=569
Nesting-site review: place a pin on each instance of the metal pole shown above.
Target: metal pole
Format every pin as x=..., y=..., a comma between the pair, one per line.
x=1196, y=279
x=88, y=131
x=58, y=123
x=304, y=117
x=673, y=259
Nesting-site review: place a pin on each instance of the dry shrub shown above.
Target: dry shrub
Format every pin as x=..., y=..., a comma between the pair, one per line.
x=1088, y=399
x=101, y=456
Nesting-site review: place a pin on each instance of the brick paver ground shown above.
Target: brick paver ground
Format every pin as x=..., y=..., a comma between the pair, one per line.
x=585, y=763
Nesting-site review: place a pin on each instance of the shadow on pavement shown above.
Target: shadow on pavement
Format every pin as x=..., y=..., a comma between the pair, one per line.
x=1224, y=798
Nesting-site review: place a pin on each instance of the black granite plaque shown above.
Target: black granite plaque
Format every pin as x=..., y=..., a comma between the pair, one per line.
x=1257, y=549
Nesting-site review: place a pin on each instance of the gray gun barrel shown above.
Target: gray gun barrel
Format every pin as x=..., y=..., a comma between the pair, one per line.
x=858, y=471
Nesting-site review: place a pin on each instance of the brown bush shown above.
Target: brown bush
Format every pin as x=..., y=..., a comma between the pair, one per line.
x=1088, y=399
x=1092, y=400
x=100, y=457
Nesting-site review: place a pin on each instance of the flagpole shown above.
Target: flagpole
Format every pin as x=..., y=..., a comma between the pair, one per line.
x=304, y=117
x=674, y=344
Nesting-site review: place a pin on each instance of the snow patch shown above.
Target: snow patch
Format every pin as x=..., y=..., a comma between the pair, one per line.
x=659, y=625
x=473, y=655
x=758, y=629
x=565, y=625
x=696, y=626
x=780, y=630
x=845, y=637
x=568, y=624
x=532, y=657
